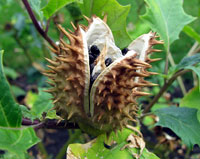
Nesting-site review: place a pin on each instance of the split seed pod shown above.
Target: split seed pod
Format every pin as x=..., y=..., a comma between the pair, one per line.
x=99, y=95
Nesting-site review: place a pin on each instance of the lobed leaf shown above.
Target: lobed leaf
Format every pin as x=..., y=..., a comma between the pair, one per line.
x=18, y=140
x=13, y=137
x=196, y=69
x=10, y=113
x=166, y=17
x=192, y=100
x=53, y=6
x=183, y=121
x=117, y=15
x=188, y=61
x=95, y=149
x=42, y=104
x=35, y=5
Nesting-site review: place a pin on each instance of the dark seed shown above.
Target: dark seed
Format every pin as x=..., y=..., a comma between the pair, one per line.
x=124, y=51
x=91, y=58
x=93, y=53
x=108, y=61
x=94, y=50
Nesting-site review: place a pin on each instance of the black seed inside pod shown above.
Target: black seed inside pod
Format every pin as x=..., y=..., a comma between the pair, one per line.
x=108, y=61
x=124, y=51
x=93, y=53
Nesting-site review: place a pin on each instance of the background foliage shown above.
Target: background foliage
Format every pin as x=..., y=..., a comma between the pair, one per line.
x=177, y=23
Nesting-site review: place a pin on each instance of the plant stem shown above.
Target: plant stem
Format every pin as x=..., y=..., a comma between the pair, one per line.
x=164, y=88
x=192, y=51
x=37, y=26
x=179, y=79
x=49, y=124
x=71, y=139
x=42, y=149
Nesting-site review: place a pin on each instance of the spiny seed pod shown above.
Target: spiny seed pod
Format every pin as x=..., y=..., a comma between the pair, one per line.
x=96, y=84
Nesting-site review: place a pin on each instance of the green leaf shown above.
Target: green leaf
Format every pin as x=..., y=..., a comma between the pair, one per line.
x=166, y=17
x=11, y=73
x=26, y=113
x=30, y=99
x=51, y=114
x=53, y=6
x=96, y=149
x=17, y=91
x=117, y=15
x=183, y=121
x=42, y=104
x=196, y=69
x=191, y=32
x=18, y=140
x=188, y=61
x=10, y=113
x=35, y=5
x=192, y=100
x=13, y=137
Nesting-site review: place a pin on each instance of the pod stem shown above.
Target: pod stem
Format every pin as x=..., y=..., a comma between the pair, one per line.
x=37, y=26
x=164, y=88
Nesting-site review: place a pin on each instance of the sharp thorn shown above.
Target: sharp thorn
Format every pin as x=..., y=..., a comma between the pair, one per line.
x=153, y=50
x=70, y=115
x=136, y=93
x=54, y=51
x=52, y=62
x=56, y=100
x=105, y=18
x=154, y=60
x=74, y=27
x=88, y=19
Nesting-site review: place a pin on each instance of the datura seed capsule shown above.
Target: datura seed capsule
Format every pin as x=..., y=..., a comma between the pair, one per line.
x=95, y=84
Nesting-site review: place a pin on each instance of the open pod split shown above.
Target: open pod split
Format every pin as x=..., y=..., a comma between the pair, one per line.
x=94, y=83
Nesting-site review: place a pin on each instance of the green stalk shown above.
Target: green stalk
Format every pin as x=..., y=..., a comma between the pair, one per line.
x=42, y=149
x=72, y=138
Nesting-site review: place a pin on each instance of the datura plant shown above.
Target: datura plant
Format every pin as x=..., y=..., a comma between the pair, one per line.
x=94, y=83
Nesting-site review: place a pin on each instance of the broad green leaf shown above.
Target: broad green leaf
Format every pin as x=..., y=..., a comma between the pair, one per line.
x=18, y=140
x=42, y=104
x=183, y=121
x=10, y=113
x=188, y=61
x=191, y=32
x=166, y=17
x=192, y=100
x=53, y=6
x=117, y=15
x=13, y=137
x=159, y=106
x=35, y=5
x=96, y=149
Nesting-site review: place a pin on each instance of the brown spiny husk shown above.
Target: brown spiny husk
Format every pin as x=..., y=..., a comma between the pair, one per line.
x=111, y=102
x=68, y=75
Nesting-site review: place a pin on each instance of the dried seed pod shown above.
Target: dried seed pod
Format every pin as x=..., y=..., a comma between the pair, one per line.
x=95, y=83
